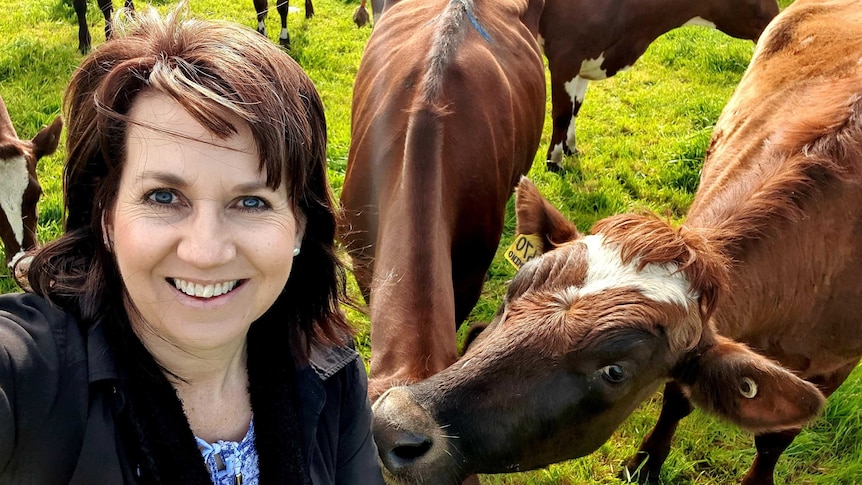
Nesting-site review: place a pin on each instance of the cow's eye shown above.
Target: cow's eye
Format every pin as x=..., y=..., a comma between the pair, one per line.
x=613, y=373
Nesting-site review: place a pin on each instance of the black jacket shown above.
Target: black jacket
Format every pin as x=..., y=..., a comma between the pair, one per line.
x=59, y=400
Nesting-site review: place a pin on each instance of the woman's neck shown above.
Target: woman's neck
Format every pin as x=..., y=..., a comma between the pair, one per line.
x=212, y=384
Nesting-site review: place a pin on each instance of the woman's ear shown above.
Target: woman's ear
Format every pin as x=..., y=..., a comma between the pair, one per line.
x=107, y=232
x=300, y=230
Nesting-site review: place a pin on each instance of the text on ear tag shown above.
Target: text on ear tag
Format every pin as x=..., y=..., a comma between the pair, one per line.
x=524, y=248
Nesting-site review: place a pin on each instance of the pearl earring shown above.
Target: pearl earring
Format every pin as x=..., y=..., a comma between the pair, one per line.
x=296, y=251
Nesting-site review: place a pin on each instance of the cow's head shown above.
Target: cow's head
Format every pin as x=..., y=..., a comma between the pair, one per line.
x=743, y=19
x=19, y=186
x=586, y=333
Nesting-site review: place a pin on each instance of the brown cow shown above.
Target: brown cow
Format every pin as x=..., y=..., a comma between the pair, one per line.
x=447, y=115
x=752, y=309
x=591, y=40
x=19, y=187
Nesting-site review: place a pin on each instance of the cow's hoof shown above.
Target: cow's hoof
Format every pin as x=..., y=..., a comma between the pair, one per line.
x=637, y=470
x=555, y=167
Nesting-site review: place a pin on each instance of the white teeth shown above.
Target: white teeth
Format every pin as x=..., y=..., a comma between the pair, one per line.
x=204, y=291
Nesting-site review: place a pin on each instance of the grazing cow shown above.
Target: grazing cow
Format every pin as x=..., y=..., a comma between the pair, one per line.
x=19, y=187
x=589, y=40
x=447, y=115
x=751, y=310
x=106, y=6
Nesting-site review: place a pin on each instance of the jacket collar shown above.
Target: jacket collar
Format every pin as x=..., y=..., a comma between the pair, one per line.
x=325, y=361
x=100, y=359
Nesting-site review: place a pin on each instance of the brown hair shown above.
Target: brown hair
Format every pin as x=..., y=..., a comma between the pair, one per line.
x=215, y=71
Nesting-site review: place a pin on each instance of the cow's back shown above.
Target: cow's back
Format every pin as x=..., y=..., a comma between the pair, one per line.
x=781, y=184
x=447, y=114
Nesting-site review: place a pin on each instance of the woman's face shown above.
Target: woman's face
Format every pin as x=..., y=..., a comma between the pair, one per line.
x=203, y=246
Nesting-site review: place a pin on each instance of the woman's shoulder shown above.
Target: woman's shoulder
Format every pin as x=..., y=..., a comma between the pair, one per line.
x=28, y=309
x=30, y=324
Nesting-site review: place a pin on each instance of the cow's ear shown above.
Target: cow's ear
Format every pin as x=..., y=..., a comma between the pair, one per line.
x=45, y=142
x=735, y=383
x=537, y=216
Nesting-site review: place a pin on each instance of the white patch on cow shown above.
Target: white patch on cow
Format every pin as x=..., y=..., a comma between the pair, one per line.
x=292, y=9
x=577, y=90
x=283, y=34
x=14, y=179
x=701, y=22
x=659, y=282
x=261, y=27
x=592, y=69
x=557, y=154
x=804, y=42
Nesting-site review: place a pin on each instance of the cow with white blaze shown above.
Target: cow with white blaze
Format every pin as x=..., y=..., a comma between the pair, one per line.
x=750, y=310
x=19, y=187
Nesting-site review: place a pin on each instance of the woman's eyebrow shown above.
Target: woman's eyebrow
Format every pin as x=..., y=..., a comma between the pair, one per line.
x=166, y=178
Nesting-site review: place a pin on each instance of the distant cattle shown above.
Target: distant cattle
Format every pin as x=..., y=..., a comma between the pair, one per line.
x=19, y=185
x=591, y=40
x=751, y=310
x=106, y=6
x=447, y=114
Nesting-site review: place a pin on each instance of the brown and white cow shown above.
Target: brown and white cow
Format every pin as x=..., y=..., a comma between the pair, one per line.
x=751, y=310
x=447, y=115
x=19, y=187
x=591, y=40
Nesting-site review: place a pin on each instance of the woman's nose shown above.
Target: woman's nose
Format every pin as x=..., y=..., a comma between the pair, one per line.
x=206, y=240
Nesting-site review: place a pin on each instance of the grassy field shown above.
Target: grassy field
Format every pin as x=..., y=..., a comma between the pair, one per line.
x=642, y=135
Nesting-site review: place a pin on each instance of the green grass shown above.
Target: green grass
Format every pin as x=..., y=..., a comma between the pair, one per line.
x=642, y=134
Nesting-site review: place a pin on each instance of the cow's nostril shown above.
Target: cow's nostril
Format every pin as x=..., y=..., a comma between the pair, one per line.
x=406, y=449
x=412, y=449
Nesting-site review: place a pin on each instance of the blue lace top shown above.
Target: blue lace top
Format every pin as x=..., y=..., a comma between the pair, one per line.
x=231, y=463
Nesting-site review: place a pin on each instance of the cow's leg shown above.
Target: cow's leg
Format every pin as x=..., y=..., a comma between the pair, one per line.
x=130, y=5
x=107, y=8
x=284, y=37
x=566, y=100
x=83, y=30
x=770, y=446
x=309, y=9
x=645, y=466
x=376, y=9
x=261, y=9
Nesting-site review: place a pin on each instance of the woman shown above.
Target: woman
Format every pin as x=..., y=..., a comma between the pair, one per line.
x=185, y=328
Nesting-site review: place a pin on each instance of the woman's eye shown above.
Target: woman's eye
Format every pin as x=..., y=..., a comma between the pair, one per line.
x=162, y=197
x=613, y=373
x=252, y=203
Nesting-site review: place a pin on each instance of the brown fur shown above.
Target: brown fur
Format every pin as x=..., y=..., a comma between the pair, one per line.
x=772, y=247
x=446, y=118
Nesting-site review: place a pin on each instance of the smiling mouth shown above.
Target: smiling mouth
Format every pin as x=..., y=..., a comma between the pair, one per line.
x=205, y=291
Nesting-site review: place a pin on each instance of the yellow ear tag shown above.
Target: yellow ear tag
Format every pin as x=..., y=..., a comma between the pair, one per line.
x=524, y=248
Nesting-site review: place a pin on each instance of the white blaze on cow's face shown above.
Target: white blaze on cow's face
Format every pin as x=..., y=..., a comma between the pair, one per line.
x=658, y=282
x=14, y=179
